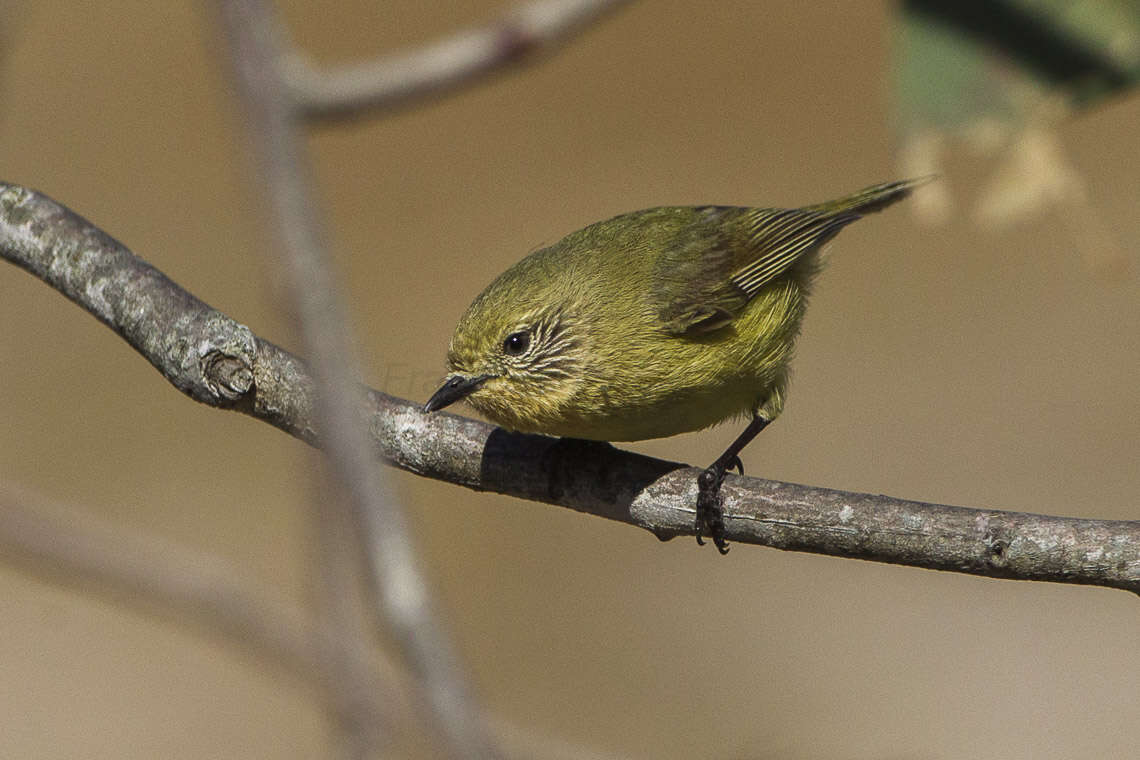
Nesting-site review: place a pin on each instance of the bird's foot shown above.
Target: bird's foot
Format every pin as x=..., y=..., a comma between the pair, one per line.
x=710, y=516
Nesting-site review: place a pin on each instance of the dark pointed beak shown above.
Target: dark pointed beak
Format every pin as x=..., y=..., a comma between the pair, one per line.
x=452, y=390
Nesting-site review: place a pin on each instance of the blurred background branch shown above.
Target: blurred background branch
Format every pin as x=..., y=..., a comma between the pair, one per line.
x=157, y=577
x=191, y=588
x=372, y=517
x=455, y=61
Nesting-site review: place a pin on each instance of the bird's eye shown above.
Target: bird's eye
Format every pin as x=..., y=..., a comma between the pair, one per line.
x=517, y=343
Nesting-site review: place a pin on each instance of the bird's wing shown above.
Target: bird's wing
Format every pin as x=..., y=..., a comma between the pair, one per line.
x=774, y=239
x=707, y=281
x=727, y=254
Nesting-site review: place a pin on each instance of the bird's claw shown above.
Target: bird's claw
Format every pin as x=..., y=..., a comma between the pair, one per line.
x=709, y=512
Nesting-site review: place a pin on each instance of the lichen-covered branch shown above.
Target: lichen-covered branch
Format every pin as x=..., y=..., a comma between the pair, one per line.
x=200, y=351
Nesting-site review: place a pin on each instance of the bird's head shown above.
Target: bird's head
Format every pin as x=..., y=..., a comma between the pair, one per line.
x=516, y=360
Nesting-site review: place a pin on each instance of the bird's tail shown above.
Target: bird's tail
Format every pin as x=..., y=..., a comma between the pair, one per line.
x=870, y=199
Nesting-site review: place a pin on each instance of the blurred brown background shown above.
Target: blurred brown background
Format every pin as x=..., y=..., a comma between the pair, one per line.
x=965, y=364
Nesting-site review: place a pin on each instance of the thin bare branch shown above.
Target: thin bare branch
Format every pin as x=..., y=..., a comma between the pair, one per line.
x=446, y=64
x=82, y=551
x=139, y=303
x=256, y=42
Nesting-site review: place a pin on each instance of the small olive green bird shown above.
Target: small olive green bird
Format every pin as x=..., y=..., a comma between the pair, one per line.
x=650, y=324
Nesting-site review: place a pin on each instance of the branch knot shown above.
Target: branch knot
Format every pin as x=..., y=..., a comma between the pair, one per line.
x=226, y=351
x=226, y=375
